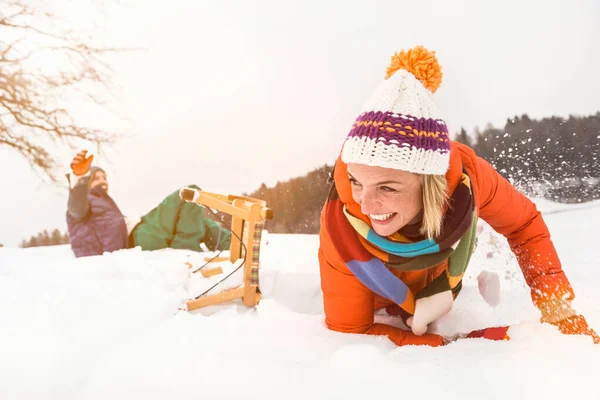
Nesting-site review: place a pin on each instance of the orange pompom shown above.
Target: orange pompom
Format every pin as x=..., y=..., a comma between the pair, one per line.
x=420, y=62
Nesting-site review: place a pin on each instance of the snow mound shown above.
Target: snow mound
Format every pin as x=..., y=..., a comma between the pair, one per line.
x=111, y=327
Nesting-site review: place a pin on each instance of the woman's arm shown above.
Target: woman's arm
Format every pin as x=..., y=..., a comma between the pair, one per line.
x=78, y=206
x=79, y=178
x=513, y=215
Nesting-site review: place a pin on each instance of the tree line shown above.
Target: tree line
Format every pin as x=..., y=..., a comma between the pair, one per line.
x=296, y=203
x=553, y=158
x=46, y=239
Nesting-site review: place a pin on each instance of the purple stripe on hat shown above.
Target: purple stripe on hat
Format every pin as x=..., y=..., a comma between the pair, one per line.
x=422, y=133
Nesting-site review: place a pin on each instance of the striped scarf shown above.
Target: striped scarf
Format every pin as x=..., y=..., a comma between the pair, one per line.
x=370, y=256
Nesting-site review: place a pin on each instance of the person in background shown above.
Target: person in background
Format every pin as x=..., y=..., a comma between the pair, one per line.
x=96, y=224
x=399, y=225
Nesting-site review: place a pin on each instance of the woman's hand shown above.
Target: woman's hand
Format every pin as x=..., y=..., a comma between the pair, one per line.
x=80, y=165
x=560, y=313
x=577, y=325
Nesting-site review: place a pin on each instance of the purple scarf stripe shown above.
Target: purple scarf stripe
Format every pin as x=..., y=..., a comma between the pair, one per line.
x=377, y=277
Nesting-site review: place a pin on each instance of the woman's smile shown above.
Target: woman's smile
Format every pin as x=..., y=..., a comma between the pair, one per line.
x=382, y=218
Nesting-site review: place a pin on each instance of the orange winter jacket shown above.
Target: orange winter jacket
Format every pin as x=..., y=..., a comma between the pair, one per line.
x=350, y=305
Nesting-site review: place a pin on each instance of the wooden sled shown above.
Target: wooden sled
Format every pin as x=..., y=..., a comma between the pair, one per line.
x=248, y=218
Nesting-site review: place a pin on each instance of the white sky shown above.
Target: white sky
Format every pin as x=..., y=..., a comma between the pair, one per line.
x=229, y=95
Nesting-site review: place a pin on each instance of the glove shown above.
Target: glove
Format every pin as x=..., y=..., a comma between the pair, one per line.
x=577, y=325
x=428, y=339
x=559, y=313
x=80, y=165
x=574, y=325
x=496, y=333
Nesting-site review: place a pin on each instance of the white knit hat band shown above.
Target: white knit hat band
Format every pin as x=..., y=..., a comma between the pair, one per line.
x=374, y=152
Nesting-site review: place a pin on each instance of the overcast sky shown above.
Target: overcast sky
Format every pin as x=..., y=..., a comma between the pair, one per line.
x=229, y=95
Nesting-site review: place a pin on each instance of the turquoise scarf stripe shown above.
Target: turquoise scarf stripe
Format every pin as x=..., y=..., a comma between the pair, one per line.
x=421, y=248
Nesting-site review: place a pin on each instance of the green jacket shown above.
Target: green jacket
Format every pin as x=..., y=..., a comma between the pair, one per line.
x=178, y=224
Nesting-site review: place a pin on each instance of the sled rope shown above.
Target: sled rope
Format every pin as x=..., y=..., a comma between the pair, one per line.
x=244, y=250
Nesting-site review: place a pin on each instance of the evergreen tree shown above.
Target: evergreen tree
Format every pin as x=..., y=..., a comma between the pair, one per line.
x=45, y=239
x=463, y=137
x=55, y=237
x=33, y=242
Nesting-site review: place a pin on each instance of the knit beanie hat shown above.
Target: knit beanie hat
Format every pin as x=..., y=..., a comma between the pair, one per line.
x=400, y=127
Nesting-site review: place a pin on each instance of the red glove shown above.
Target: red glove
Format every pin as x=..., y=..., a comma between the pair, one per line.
x=428, y=339
x=80, y=165
x=496, y=333
x=577, y=325
x=574, y=325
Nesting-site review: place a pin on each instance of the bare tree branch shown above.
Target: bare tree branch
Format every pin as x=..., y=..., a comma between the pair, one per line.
x=32, y=107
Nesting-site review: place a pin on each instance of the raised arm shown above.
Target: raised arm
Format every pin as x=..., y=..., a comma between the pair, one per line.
x=79, y=178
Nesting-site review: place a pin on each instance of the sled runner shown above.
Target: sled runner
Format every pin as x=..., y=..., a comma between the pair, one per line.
x=248, y=218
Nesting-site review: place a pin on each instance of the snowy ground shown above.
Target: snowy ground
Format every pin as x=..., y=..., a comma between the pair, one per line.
x=109, y=327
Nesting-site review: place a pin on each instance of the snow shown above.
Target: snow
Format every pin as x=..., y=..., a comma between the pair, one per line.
x=489, y=287
x=111, y=327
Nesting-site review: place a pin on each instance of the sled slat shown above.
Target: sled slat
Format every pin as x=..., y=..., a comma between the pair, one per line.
x=208, y=272
x=218, y=259
x=222, y=297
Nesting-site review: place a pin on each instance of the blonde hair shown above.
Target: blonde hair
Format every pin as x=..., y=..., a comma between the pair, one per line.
x=435, y=202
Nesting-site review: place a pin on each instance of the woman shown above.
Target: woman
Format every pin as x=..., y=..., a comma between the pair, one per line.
x=96, y=225
x=399, y=225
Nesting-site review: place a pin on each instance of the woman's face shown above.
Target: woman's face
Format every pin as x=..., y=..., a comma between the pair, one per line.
x=389, y=197
x=99, y=179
